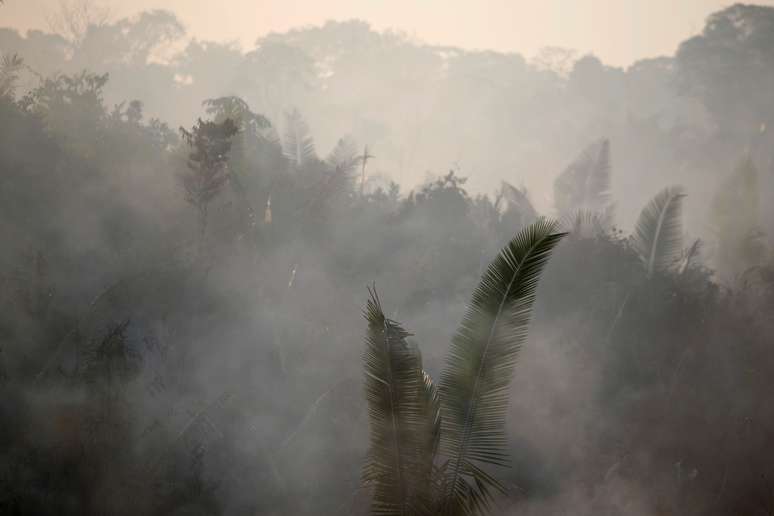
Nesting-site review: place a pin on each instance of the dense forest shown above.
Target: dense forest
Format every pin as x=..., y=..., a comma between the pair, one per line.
x=191, y=235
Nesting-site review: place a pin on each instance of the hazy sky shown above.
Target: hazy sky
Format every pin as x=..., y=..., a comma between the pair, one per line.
x=618, y=31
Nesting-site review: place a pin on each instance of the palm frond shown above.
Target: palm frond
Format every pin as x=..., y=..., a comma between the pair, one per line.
x=585, y=183
x=344, y=157
x=688, y=256
x=401, y=401
x=658, y=235
x=586, y=223
x=298, y=145
x=517, y=199
x=478, y=372
x=10, y=66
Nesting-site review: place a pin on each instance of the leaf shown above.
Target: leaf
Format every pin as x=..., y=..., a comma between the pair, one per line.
x=344, y=157
x=688, y=256
x=402, y=408
x=658, y=235
x=298, y=145
x=478, y=372
x=586, y=223
x=585, y=183
x=517, y=201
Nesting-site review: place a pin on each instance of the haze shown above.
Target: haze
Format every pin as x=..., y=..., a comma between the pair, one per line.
x=618, y=31
x=386, y=258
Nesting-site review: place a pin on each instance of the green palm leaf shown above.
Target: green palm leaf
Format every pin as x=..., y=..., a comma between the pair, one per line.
x=478, y=372
x=403, y=414
x=658, y=236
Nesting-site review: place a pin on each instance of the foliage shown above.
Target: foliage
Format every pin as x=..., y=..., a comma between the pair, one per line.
x=647, y=393
x=210, y=144
x=658, y=236
x=735, y=219
x=585, y=183
x=10, y=65
x=473, y=393
x=298, y=144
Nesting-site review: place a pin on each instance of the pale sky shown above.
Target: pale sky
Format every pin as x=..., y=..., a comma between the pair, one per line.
x=618, y=31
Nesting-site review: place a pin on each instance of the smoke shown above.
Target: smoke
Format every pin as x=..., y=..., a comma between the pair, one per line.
x=170, y=353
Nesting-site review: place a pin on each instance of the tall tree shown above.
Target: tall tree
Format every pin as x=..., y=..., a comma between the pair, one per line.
x=210, y=144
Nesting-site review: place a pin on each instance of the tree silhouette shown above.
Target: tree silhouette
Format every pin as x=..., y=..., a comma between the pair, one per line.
x=210, y=144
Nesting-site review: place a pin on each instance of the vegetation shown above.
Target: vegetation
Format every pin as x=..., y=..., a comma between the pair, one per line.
x=180, y=310
x=464, y=419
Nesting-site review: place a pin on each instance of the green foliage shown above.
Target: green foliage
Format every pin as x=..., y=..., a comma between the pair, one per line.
x=210, y=144
x=236, y=109
x=478, y=372
x=402, y=407
x=473, y=394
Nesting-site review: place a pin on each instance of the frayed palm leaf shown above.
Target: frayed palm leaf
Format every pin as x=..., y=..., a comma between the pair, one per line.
x=585, y=183
x=10, y=66
x=688, y=256
x=517, y=199
x=403, y=413
x=658, y=236
x=586, y=223
x=298, y=145
x=475, y=381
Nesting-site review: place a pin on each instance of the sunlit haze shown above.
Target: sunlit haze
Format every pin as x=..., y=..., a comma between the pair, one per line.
x=617, y=31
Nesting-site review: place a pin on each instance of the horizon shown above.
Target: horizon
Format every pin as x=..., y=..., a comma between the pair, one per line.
x=502, y=26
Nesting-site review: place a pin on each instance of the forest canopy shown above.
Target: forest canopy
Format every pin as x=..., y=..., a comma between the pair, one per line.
x=191, y=234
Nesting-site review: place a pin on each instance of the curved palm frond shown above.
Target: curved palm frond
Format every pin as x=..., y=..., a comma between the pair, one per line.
x=478, y=372
x=585, y=183
x=517, y=199
x=402, y=408
x=658, y=235
x=587, y=223
x=689, y=255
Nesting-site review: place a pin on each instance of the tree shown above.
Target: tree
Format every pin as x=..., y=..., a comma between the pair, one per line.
x=298, y=145
x=735, y=220
x=585, y=183
x=76, y=17
x=730, y=68
x=210, y=144
x=430, y=450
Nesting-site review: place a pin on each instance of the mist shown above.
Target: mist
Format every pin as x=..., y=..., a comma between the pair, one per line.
x=192, y=231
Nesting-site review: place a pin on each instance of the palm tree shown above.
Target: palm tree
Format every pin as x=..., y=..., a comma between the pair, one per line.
x=658, y=241
x=431, y=450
